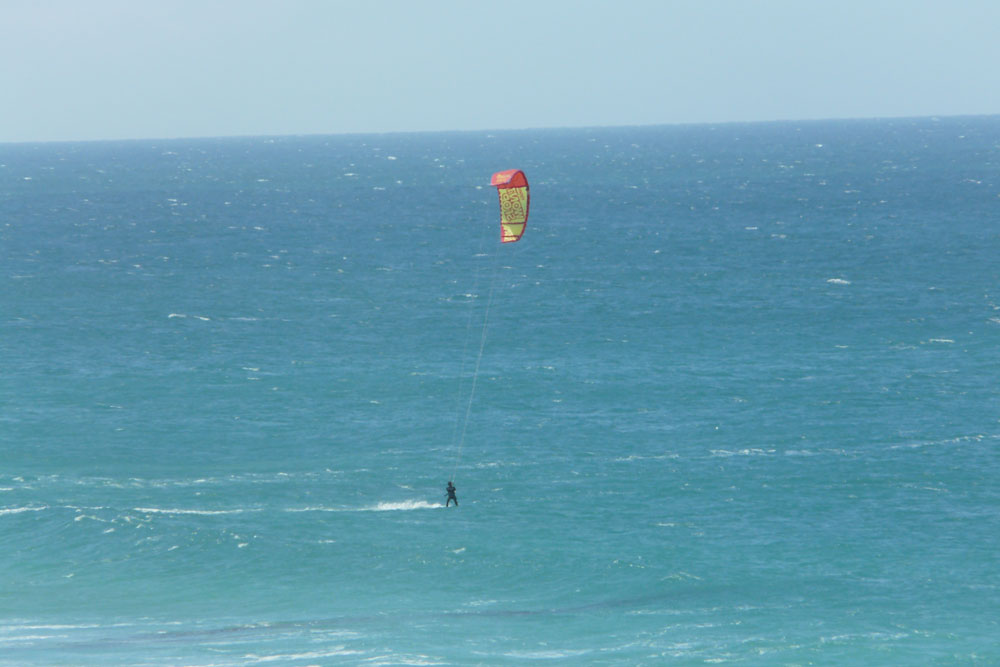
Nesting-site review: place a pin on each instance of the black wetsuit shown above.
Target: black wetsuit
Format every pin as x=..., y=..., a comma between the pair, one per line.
x=451, y=495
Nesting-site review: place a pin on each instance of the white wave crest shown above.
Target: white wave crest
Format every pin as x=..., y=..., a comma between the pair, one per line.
x=378, y=507
x=157, y=510
x=284, y=657
x=552, y=654
x=752, y=451
x=18, y=510
x=404, y=505
x=185, y=316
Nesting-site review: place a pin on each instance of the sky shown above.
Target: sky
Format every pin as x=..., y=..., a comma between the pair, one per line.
x=126, y=69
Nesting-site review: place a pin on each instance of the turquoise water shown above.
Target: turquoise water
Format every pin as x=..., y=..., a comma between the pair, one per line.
x=736, y=401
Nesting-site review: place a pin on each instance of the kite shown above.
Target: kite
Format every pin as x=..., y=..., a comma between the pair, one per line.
x=512, y=188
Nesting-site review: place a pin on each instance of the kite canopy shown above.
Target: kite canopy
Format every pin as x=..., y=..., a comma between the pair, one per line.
x=512, y=188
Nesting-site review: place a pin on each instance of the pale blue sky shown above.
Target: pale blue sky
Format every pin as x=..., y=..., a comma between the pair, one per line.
x=110, y=69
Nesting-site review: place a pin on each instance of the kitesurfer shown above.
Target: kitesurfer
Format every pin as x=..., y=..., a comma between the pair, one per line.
x=451, y=495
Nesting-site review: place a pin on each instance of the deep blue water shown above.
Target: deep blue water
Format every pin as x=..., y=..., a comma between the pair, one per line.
x=737, y=399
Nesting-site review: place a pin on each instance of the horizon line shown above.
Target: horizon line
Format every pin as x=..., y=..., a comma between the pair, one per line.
x=374, y=133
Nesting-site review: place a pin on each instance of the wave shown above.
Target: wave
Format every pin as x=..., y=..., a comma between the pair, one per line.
x=383, y=506
x=18, y=510
x=751, y=451
x=186, y=316
x=550, y=654
x=640, y=457
x=283, y=657
x=157, y=510
x=947, y=441
x=404, y=505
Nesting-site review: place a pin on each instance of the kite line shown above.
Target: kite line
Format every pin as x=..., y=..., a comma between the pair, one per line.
x=512, y=191
x=479, y=359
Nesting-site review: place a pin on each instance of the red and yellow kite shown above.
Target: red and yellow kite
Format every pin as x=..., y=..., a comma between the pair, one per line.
x=512, y=187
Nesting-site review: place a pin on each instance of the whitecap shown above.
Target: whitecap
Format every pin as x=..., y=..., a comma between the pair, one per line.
x=753, y=451
x=19, y=510
x=947, y=441
x=639, y=457
x=29, y=638
x=404, y=505
x=378, y=507
x=838, y=281
x=309, y=655
x=546, y=654
x=157, y=510
x=46, y=626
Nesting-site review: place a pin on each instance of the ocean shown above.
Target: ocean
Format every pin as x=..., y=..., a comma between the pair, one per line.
x=732, y=399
